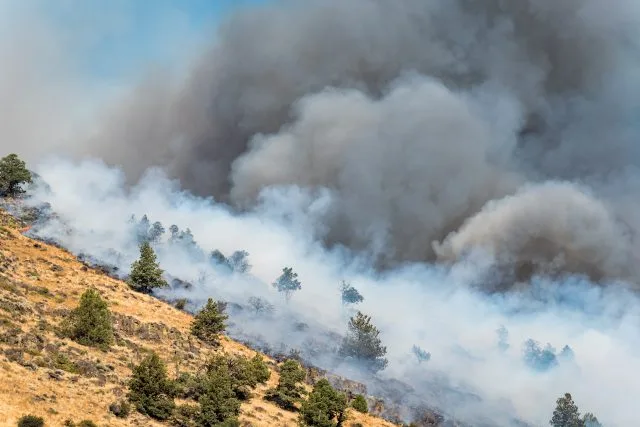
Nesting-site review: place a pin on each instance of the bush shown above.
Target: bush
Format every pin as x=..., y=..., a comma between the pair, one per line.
x=325, y=407
x=87, y=423
x=287, y=393
x=146, y=274
x=150, y=391
x=360, y=404
x=120, y=409
x=90, y=323
x=31, y=421
x=363, y=345
x=209, y=323
x=13, y=173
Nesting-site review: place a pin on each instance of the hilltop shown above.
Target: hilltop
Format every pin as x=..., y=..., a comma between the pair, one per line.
x=58, y=379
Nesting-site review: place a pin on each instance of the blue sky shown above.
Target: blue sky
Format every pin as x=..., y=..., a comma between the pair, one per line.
x=123, y=35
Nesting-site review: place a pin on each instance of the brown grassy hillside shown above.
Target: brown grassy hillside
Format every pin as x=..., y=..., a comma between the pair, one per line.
x=58, y=379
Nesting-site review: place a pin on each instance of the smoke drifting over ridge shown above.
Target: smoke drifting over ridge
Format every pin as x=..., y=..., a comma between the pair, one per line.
x=413, y=114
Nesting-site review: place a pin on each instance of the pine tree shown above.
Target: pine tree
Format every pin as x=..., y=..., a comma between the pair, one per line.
x=362, y=343
x=209, y=323
x=13, y=173
x=350, y=295
x=90, y=323
x=218, y=402
x=287, y=282
x=566, y=413
x=150, y=390
x=325, y=407
x=146, y=274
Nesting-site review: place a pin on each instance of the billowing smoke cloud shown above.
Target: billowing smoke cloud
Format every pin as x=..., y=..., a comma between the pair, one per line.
x=413, y=114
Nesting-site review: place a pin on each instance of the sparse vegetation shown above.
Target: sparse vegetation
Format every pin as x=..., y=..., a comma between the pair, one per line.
x=359, y=403
x=90, y=323
x=146, y=274
x=287, y=283
x=288, y=393
x=363, y=345
x=209, y=323
x=31, y=421
x=13, y=173
x=120, y=409
x=150, y=390
x=325, y=407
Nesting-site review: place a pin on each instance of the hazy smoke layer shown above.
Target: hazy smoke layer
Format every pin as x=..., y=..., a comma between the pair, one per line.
x=413, y=113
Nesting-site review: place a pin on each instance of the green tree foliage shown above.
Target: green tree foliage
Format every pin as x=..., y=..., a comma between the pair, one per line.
x=218, y=402
x=245, y=373
x=350, y=295
x=360, y=404
x=566, y=413
x=287, y=283
x=90, y=323
x=31, y=421
x=146, y=274
x=13, y=173
x=287, y=393
x=363, y=345
x=209, y=323
x=325, y=407
x=150, y=390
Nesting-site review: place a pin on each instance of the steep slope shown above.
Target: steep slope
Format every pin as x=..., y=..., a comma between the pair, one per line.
x=58, y=379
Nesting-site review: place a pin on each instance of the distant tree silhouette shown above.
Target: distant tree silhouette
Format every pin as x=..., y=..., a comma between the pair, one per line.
x=350, y=295
x=287, y=283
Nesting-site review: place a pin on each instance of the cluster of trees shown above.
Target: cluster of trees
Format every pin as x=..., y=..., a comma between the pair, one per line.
x=567, y=414
x=543, y=359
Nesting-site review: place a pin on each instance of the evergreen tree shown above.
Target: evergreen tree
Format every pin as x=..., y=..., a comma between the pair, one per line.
x=590, y=420
x=362, y=343
x=421, y=355
x=360, y=404
x=209, y=323
x=566, y=413
x=218, y=402
x=287, y=283
x=239, y=262
x=90, y=323
x=287, y=393
x=350, y=295
x=31, y=421
x=150, y=390
x=325, y=407
x=13, y=173
x=537, y=358
x=146, y=274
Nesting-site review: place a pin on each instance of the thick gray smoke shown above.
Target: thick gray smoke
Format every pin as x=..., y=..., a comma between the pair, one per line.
x=413, y=114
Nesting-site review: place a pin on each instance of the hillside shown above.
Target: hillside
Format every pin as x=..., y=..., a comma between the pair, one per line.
x=58, y=379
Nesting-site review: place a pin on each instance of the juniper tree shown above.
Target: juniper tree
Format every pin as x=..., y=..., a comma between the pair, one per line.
x=421, y=355
x=287, y=393
x=13, y=173
x=150, y=390
x=566, y=413
x=325, y=407
x=146, y=273
x=90, y=323
x=209, y=323
x=362, y=343
x=287, y=283
x=218, y=402
x=360, y=404
x=350, y=295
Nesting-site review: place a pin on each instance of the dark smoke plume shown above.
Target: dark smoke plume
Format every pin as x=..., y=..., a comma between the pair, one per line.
x=415, y=114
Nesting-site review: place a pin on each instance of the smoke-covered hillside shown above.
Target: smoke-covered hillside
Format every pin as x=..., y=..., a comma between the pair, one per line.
x=469, y=166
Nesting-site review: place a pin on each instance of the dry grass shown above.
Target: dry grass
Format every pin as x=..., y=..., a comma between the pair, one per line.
x=38, y=284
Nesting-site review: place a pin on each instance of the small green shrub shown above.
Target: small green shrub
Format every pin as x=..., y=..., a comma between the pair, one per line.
x=120, y=409
x=87, y=423
x=360, y=404
x=31, y=421
x=146, y=274
x=325, y=407
x=150, y=391
x=90, y=323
